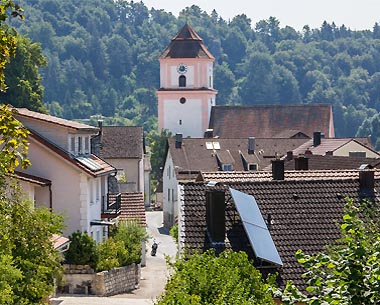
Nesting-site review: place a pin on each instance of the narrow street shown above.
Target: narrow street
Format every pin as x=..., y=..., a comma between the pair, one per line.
x=153, y=275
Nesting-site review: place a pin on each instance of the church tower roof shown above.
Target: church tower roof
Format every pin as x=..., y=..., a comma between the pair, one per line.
x=187, y=44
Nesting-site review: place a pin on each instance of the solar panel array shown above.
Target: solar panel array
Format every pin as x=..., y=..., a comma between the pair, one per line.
x=255, y=227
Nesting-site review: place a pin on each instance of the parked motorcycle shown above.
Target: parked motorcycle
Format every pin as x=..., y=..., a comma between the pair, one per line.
x=154, y=248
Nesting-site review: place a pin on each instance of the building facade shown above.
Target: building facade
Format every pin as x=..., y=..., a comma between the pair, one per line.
x=186, y=92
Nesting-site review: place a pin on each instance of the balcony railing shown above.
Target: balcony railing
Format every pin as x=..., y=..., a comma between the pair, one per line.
x=111, y=205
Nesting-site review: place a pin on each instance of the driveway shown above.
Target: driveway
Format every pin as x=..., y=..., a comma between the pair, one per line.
x=153, y=276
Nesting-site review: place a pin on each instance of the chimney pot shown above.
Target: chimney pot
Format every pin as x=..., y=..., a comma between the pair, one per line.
x=278, y=170
x=209, y=133
x=367, y=181
x=301, y=163
x=317, y=135
x=289, y=155
x=178, y=140
x=215, y=215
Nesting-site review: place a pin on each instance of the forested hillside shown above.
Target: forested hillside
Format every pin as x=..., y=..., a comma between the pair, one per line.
x=102, y=60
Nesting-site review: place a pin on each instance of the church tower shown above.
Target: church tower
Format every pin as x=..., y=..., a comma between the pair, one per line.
x=186, y=92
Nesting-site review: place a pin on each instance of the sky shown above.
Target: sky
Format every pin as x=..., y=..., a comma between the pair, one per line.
x=355, y=14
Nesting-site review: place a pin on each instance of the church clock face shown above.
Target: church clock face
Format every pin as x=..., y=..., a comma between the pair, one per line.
x=181, y=68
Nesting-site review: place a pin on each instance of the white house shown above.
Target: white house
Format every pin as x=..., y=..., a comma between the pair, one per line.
x=59, y=151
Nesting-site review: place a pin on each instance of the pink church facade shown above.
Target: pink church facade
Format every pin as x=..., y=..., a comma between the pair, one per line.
x=186, y=92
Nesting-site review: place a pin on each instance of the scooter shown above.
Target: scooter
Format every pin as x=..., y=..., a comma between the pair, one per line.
x=154, y=248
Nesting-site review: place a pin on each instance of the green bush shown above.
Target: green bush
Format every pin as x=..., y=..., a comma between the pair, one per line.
x=112, y=254
x=82, y=250
x=174, y=233
x=131, y=234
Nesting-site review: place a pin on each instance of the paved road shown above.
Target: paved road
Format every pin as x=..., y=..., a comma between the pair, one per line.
x=153, y=275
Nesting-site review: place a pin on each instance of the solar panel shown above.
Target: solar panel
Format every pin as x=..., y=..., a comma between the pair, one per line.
x=255, y=227
x=89, y=163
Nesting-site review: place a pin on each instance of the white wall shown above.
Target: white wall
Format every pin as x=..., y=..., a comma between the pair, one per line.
x=170, y=184
x=70, y=187
x=190, y=114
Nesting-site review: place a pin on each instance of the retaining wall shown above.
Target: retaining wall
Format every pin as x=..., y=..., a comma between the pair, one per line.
x=83, y=280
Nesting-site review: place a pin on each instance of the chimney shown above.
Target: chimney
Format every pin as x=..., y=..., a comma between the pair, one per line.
x=317, y=135
x=100, y=125
x=289, y=155
x=178, y=140
x=215, y=215
x=209, y=133
x=367, y=181
x=301, y=163
x=278, y=171
x=251, y=145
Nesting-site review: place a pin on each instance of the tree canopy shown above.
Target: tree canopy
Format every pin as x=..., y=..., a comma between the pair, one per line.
x=229, y=278
x=102, y=60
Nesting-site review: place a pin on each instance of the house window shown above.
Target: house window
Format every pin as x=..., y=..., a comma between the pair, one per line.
x=182, y=81
x=79, y=145
x=252, y=167
x=182, y=100
x=168, y=194
x=227, y=167
x=180, y=122
x=72, y=145
x=87, y=145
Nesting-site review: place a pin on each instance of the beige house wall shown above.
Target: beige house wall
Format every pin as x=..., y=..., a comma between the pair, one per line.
x=71, y=190
x=354, y=146
x=133, y=169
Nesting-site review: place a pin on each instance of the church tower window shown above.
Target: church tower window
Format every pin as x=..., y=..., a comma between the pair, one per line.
x=182, y=81
x=182, y=100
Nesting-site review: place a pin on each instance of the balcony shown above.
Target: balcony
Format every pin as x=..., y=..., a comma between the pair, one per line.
x=111, y=205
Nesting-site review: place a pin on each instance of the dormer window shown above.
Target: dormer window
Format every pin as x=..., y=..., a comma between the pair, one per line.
x=79, y=145
x=182, y=81
x=227, y=167
x=253, y=167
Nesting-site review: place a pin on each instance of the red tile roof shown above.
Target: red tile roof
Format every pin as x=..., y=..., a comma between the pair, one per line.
x=317, y=162
x=120, y=142
x=290, y=175
x=267, y=121
x=23, y=112
x=305, y=214
x=194, y=154
x=186, y=44
x=330, y=145
x=132, y=207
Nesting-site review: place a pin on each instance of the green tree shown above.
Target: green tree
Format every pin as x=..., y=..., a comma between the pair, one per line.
x=229, y=278
x=157, y=143
x=82, y=250
x=23, y=78
x=132, y=235
x=349, y=272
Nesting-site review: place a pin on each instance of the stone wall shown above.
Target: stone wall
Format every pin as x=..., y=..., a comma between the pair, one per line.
x=83, y=280
x=116, y=281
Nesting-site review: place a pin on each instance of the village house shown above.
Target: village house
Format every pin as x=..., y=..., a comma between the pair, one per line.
x=272, y=121
x=77, y=187
x=124, y=148
x=270, y=215
x=186, y=157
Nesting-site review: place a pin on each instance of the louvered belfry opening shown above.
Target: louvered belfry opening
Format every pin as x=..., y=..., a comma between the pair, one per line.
x=215, y=215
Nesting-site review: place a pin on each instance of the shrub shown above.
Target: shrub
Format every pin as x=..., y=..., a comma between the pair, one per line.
x=112, y=254
x=82, y=250
x=174, y=233
x=131, y=234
